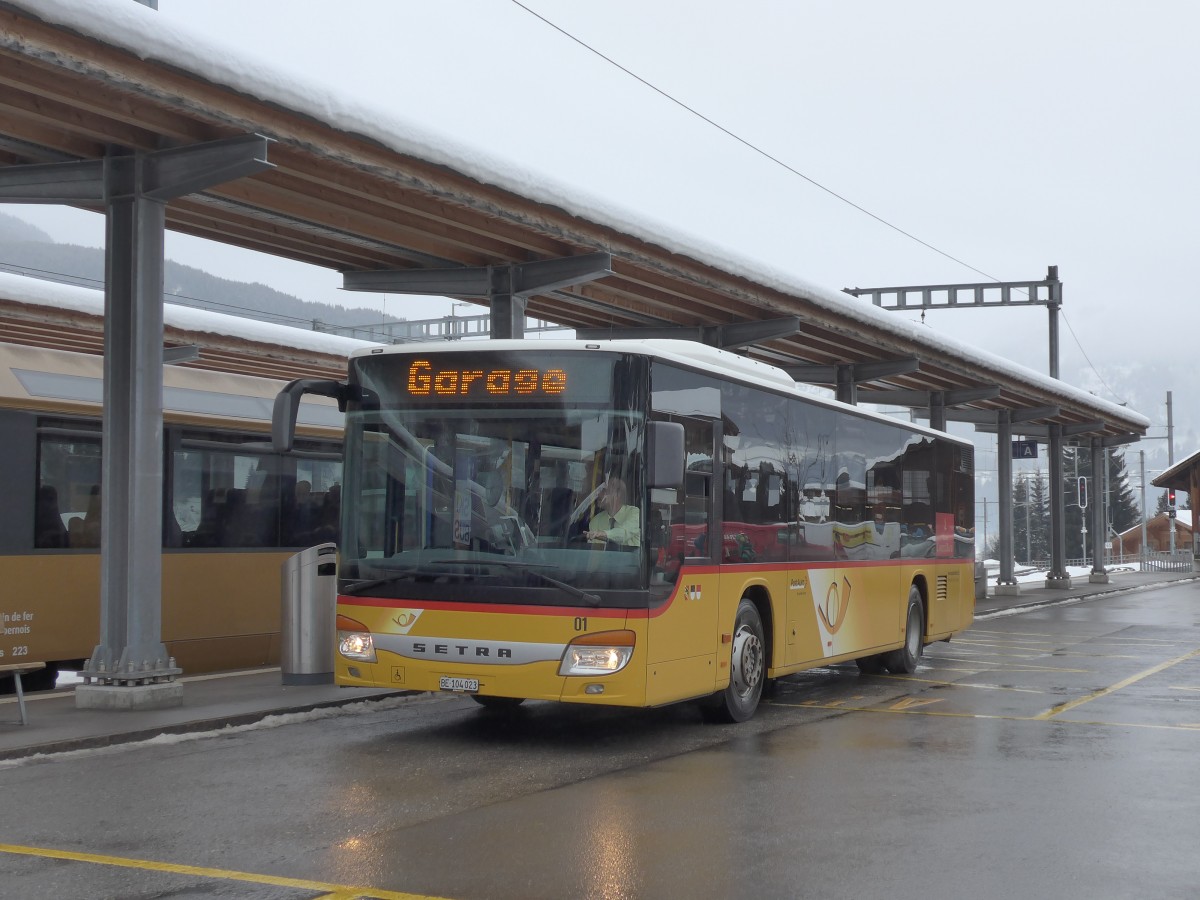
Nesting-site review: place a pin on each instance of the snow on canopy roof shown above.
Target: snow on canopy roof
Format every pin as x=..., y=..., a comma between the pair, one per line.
x=152, y=36
x=36, y=292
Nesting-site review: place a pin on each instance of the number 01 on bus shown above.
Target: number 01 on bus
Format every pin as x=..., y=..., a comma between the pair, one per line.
x=631, y=524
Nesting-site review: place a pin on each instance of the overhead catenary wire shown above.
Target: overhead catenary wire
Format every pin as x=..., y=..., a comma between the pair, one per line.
x=749, y=144
x=779, y=162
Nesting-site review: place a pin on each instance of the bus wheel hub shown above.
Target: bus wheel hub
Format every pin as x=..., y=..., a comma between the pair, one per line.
x=747, y=660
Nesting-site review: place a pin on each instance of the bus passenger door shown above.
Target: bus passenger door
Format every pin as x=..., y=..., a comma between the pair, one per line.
x=682, y=629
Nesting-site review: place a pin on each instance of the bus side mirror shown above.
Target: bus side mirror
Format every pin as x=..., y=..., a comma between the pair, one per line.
x=665, y=454
x=287, y=407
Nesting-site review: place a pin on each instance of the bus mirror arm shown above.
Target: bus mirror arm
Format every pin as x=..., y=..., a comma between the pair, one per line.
x=287, y=407
x=665, y=452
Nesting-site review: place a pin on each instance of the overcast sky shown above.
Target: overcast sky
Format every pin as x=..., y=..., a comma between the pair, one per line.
x=1009, y=138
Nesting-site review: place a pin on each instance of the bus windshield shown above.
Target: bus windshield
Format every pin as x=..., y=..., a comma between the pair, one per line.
x=478, y=478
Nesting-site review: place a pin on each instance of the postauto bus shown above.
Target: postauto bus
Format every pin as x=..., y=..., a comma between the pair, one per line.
x=771, y=531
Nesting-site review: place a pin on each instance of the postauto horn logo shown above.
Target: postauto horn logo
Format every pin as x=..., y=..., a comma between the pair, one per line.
x=405, y=619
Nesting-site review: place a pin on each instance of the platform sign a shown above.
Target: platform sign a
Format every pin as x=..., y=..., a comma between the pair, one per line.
x=1024, y=450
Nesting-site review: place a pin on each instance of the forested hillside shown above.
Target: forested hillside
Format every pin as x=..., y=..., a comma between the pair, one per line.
x=27, y=250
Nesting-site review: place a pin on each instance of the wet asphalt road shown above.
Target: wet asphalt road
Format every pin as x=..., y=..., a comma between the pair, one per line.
x=1054, y=753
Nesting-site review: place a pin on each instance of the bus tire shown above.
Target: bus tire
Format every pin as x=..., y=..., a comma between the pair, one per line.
x=747, y=669
x=871, y=665
x=904, y=661
x=497, y=703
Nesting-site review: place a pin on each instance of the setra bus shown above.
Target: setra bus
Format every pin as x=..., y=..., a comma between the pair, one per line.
x=487, y=548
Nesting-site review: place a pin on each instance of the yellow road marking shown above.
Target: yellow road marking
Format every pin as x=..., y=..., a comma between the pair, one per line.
x=1010, y=667
x=1115, y=637
x=1104, y=692
x=813, y=704
x=339, y=891
x=986, y=687
x=1004, y=653
x=1024, y=644
x=911, y=703
x=942, y=714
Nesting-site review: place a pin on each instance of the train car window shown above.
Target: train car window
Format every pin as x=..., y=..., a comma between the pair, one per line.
x=227, y=491
x=222, y=489
x=67, y=510
x=225, y=497
x=312, y=517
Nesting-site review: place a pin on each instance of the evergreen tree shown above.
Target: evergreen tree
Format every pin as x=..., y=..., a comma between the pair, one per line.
x=1031, y=536
x=1039, y=517
x=992, y=549
x=1161, y=507
x=1123, y=510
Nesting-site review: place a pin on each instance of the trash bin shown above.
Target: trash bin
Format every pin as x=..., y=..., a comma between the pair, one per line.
x=309, y=589
x=980, y=581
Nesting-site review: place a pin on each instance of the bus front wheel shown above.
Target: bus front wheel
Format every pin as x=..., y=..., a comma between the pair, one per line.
x=904, y=660
x=747, y=669
x=497, y=703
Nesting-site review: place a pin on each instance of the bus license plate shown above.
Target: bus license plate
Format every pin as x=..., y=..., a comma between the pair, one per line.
x=469, y=685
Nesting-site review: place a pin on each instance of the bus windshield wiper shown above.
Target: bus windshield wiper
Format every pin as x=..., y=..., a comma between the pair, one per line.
x=532, y=569
x=428, y=569
x=366, y=584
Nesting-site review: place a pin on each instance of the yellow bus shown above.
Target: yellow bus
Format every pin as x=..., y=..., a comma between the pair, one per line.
x=631, y=523
x=233, y=511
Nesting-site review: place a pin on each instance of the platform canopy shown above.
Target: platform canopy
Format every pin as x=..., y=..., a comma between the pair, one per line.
x=353, y=190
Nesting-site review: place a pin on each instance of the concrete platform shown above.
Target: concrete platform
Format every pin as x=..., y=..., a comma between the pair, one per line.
x=209, y=702
x=1035, y=593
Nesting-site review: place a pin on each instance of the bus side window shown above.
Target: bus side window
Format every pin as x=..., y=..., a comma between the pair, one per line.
x=698, y=487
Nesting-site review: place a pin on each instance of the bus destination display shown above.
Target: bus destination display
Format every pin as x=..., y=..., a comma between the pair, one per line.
x=491, y=378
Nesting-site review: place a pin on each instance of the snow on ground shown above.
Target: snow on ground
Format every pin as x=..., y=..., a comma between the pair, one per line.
x=361, y=707
x=1023, y=574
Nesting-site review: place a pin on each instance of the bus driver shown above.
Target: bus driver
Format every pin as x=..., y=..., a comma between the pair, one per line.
x=616, y=522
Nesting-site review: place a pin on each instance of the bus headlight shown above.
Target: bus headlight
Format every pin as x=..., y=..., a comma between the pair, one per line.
x=354, y=639
x=598, y=654
x=357, y=645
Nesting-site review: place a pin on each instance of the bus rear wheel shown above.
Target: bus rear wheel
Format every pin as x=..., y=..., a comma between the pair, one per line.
x=871, y=665
x=904, y=660
x=747, y=669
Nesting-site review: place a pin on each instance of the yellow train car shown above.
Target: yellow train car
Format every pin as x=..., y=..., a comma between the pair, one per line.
x=233, y=510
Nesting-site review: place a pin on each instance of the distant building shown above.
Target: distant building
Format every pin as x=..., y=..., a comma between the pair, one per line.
x=1183, y=477
x=1158, y=535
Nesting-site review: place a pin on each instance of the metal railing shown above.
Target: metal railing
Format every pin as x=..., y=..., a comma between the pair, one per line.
x=1162, y=561
x=1151, y=560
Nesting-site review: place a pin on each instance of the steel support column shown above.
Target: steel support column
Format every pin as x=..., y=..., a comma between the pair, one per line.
x=130, y=667
x=1098, y=575
x=131, y=469
x=1053, y=305
x=729, y=336
x=1006, y=582
x=507, y=308
x=506, y=287
x=1057, y=577
x=935, y=404
x=847, y=386
x=937, y=410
